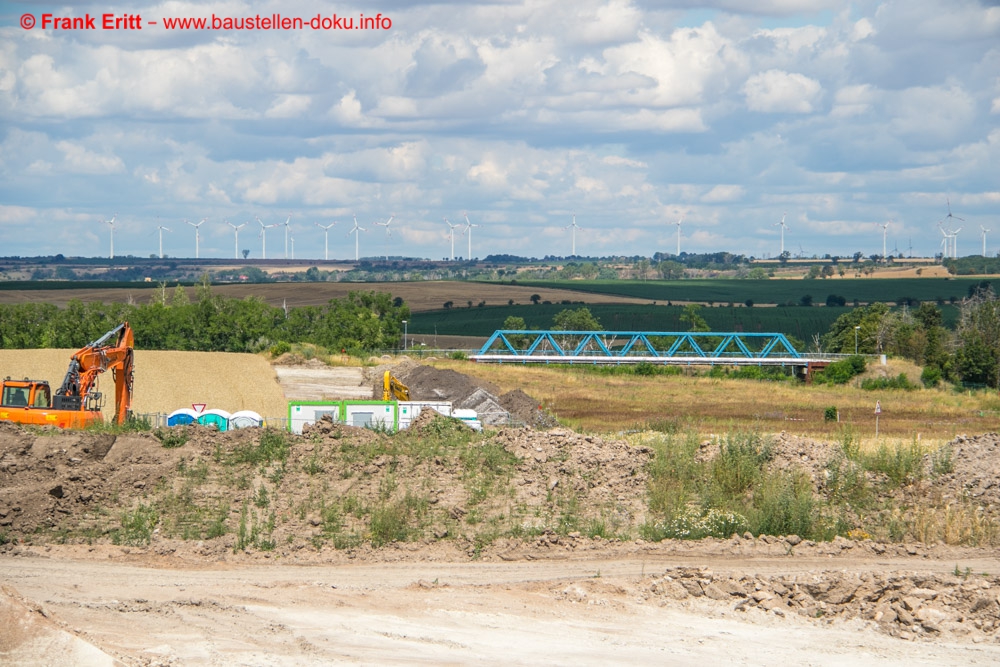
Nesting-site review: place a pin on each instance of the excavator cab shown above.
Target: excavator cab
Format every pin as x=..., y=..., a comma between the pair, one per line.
x=25, y=394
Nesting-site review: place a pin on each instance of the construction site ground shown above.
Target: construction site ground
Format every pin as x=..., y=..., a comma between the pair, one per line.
x=538, y=599
x=427, y=604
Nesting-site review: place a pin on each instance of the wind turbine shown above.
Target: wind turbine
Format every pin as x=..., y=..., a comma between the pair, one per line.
x=161, y=228
x=388, y=233
x=984, y=230
x=236, y=232
x=451, y=233
x=285, y=223
x=292, y=238
x=111, y=223
x=356, y=230
x=326, y=238
x=952, y=233
x=468, y=230
x=197, y=234
x=678, y=223
x=263, y=236
x=783, y=227
x=885, y=228
x=575, y=227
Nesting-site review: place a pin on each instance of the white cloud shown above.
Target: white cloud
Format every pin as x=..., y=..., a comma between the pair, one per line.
x=79, y=160
x=775, y=91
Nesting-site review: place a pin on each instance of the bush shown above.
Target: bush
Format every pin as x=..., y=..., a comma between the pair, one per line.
x=458, y=355
x=841, y=372
x=898, y=382
x=931, y=376
x=830, y=414
x=280, y=348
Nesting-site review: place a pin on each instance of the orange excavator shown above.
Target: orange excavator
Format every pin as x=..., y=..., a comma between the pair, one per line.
x=76, y=403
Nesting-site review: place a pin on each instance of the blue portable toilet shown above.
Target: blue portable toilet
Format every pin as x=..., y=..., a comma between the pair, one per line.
x=181, y=417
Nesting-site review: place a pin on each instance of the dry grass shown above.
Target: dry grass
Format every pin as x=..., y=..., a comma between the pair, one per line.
x=600, y=403
x=165, y=381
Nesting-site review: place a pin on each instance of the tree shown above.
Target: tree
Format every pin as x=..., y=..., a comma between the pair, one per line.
x=806, y=300
x=758, y=273
x=871, y=334
x=535, y=298
x=575, y=320
x=513, y=323
x=978, y=357
x=670, y=270
x=694, y=319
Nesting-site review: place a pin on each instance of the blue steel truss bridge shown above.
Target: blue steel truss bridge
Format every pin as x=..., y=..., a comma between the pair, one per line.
x=677, y=348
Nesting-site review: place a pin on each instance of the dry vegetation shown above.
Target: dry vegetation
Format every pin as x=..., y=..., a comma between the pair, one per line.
x=589, y=401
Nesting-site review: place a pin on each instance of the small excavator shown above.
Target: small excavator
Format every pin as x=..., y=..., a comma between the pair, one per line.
x=393, y=389
x=76, y=403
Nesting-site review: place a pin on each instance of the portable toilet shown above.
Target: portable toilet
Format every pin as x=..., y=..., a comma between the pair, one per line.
x=245, y=419
x=218, y=419
x=181, y=417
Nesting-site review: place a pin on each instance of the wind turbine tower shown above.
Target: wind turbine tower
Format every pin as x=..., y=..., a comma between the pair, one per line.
x=263, y=236
x=356, y=230
x=468, y=230
x=678, y=223
x=574, y=227
x=111, y=223
x=197, y=234
x=885, y=228
x=388, y=233
x=236, y=233
x=161, y=228
x=783, y=228
x=285, y=223
x=984, y=231
x=451, y=233
x=326, y=238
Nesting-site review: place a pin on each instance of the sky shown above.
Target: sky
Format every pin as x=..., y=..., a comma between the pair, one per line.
x=631, y=115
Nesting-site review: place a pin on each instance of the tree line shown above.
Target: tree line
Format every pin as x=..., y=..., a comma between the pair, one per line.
x=361, y=322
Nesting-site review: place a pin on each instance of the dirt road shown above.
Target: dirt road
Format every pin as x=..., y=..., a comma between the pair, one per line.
x=595, y=610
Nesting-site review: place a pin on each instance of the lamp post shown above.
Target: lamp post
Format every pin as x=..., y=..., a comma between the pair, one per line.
x=404, y=335
x=856, y=339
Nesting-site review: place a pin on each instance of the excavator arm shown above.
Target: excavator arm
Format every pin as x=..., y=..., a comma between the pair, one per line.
x=86, y=364
x=392, y=388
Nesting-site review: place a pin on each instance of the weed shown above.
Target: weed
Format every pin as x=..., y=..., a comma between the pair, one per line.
x=739, y=462
x=136, y=526
x=390, y=522
x=170, y=438
x=261, y=498
x=313, y=466
x=270, y=446
x=942, y=462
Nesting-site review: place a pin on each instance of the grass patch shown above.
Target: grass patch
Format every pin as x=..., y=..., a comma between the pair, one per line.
x=136, y=526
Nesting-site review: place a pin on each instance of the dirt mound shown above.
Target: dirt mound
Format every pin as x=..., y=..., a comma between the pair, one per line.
x=427, y=383
x=974, y=464
x=30, y=637
x=65, y=477
x=525, y=409
x=903, y=605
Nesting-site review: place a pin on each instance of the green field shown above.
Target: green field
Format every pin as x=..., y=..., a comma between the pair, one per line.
x=864, y=290
x=798, y=321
